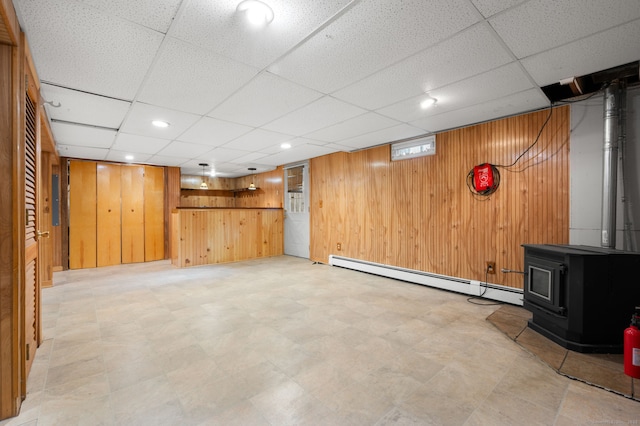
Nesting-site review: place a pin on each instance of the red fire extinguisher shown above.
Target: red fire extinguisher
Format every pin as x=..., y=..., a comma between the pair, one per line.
x=632, y=346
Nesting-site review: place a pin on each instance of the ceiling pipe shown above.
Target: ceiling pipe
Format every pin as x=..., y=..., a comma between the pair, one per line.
x=612, y=107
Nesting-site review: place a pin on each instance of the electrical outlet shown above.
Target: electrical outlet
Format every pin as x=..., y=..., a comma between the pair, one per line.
x=491, y=267
x=339, y=246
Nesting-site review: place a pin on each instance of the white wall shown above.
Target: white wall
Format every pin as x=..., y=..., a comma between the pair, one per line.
x=586, y=157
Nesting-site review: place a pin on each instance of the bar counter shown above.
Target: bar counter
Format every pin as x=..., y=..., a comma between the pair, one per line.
x=209, y=235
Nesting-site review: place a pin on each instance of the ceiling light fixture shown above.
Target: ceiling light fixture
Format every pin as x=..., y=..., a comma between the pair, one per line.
x=252, y=186
x=128, y=157
x=285, y=145
x=256, y=12
x=203, y=185
x=428, y=102
x=160, y=123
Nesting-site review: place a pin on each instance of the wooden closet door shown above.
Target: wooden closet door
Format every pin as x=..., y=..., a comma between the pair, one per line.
x=132, y=214
x=109, y=220
x=82, y=214
x=31, y=272
x=153, y=213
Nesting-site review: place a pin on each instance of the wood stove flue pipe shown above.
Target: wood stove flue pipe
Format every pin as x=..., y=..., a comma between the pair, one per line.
x=612, y=109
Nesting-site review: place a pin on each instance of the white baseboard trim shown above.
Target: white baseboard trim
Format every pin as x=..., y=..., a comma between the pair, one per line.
x=496, y=292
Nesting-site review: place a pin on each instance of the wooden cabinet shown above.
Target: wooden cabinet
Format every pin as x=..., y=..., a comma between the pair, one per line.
x=82, y=214
x=116, y=214
x=153, y=213
x=133, y=223
x=109, y=219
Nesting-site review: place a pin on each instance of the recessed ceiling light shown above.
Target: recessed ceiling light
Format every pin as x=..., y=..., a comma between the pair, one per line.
x=285, y=145
x=160, y=123
x=428, y=102
x=128, y=157
x=256, y=12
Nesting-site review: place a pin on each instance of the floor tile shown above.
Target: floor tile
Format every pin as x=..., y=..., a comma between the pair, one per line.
x=282, y=341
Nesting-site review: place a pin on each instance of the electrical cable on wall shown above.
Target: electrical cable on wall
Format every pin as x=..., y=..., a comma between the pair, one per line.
x=481, y=296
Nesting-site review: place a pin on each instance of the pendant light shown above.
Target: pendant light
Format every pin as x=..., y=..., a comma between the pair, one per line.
x=252, y=186
x=203, y=185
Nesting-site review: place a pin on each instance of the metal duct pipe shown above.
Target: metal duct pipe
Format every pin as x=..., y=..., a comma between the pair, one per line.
x=610, y=164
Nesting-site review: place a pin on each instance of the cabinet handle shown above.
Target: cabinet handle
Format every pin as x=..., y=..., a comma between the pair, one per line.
x=42, y=234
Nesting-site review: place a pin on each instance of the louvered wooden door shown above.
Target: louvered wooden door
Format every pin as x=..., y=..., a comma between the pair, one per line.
x=32, y=287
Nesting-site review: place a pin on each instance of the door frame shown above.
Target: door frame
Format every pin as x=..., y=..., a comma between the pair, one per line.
x=306, y=211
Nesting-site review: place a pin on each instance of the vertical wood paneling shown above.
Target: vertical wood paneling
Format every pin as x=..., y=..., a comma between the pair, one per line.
x=224, y=192
x=109, y=219
x=82, y=214
x=420, y=214
x=132, y=213
x=154, y=213
x=226, y=235
x=171, y=202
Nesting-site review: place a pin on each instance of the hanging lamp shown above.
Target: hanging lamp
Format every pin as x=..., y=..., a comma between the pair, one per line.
x=252, y=186
x=203, y=185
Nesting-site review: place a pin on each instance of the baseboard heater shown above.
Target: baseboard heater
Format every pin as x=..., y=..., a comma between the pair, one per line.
x=444, y=282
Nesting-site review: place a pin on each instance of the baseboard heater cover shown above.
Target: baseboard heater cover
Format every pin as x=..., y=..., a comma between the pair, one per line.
x=470, y=287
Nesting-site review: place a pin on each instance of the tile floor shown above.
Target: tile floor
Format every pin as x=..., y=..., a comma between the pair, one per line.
x=282, y=341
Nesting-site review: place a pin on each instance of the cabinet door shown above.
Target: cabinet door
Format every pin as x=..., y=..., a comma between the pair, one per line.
x=132, y=214
x=108, y=215
x=82, y=214
x=153, y=213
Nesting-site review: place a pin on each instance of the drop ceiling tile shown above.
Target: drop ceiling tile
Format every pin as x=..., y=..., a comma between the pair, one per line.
x=191, y=79
x=491, y=7
x=257, y=139
x=295, y=142
x=83, y=48
x=120, y=157
x=217, y=27
x=518, y=103
x=539, y=25
x=471, y=52
x=249, y=158
x=74, y=134
x=264, y=99
x=184, y=149
x=82, y=152
x=141, y=115
x=139, y=144
x=587, y=55
x=84, y=108
x=213, y=132
x=154, y=14
x=167, y=161
x=490, y=85
x=222, y=155
x=370, y=36
x=322, y=113
x=300, y=153
x=391, y=134
x=365, y=123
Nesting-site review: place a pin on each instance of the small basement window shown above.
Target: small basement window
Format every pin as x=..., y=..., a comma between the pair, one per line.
x=415, y=148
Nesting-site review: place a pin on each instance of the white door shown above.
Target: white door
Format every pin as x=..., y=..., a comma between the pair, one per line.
x=296, y=210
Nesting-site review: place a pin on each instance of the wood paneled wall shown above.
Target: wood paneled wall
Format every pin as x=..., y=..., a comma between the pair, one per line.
x=223, y=192
x=226, y=235
x=10, y=280
x=420, y=214
x=270, y=192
